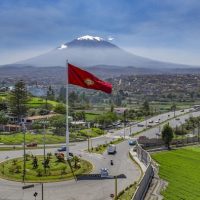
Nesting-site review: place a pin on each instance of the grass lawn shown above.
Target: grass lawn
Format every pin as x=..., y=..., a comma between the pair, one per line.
x=36, y=102
x=38, y=138
x=90, y=116
x=57, y=171
x=180, y=168
x=127, y=194
x=102, y=147
x=3, y=95
x=14, y=148
x=18, y=138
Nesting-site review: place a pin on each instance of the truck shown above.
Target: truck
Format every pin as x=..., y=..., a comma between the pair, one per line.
x=111, y=149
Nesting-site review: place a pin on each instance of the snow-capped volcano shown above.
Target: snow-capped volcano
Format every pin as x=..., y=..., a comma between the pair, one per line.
x=89, y=41
x=89, y=37
x=91, y=51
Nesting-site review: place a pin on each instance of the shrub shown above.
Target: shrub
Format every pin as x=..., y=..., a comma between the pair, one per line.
x=60, y=157
x=18, y=169
x=39, y=172
x=63, y=170
x=97, y=148
x=27, y=156
x=11, y=169
x=49, y=155
x=14, y=162
x=2, y=170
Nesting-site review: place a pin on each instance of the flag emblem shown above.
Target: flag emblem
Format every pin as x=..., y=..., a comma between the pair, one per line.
x=85, y=79
x=89, y=82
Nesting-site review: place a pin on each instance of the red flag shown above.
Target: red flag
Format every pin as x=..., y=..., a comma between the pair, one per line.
x=77, y=76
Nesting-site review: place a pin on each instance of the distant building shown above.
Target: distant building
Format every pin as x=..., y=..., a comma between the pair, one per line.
x=120, y=111
x=30, y=120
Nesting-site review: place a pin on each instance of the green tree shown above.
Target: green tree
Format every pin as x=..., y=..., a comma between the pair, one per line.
x=146, y=107
x=18, y=100
x=180, y=131
x=167, y=135
x=112, y=108
x=3, y=105
x=50, y=93
x=173, y=107
x=106, y=119
x=73, y=98
x=59, y=123
x=3, y=118
x=60, y=108
x=62, y=94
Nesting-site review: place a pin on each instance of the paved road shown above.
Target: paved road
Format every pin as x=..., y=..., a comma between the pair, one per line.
x=83, y=189
x=90, y=189
x=160, y=118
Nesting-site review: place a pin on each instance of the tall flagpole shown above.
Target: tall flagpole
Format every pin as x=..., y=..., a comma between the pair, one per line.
x=67, y=113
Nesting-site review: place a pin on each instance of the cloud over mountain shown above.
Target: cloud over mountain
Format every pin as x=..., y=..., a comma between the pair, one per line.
x=93, y=50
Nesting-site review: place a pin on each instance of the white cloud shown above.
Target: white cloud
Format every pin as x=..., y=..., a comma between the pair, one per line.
x=110, y=38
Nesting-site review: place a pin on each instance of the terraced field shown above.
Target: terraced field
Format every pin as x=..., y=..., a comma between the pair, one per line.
x=181, y=168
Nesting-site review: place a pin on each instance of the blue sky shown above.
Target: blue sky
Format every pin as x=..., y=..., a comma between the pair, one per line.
x=166, y=30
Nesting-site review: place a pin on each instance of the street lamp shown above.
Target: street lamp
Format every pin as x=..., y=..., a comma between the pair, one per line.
x=44, y=123
x=24, y=148
x=124, y=123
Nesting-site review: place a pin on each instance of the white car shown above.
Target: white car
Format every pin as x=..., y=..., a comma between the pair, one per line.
x=111, y=149
x=104, y=172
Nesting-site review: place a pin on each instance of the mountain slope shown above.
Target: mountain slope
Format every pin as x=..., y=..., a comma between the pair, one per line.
x=90, y=51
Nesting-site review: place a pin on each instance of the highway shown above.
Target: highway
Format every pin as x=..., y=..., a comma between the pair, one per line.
x=91, y=189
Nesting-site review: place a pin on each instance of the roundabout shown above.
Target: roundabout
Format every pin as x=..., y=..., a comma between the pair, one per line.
x=52, y=170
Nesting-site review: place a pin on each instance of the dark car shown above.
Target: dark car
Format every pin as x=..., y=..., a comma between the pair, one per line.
x=140, y=125
x=33, y=144
x=132, y=142
x=62, y=148
x=61, y=153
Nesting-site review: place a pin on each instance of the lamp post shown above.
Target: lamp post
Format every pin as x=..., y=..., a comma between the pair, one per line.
x=115, y=187
x=124, y=123
x=198, y=131
x=44, y=144
x=24, y=148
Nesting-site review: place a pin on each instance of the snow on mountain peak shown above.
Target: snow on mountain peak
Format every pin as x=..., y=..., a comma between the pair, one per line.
x=62, y=46
x=89, y=37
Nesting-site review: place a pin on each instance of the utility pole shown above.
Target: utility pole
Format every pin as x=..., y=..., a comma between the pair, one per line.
x=146, y=122
x=174, y=112
x=198, y=131
x=91, y=143
x=182, y=133
x=88, y=144
x=115, y=187
x=24, y=164
x=124, y=123
x=42, y=191
x=44, y=146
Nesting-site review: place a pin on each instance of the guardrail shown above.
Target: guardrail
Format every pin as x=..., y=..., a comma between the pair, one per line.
x=145, y=181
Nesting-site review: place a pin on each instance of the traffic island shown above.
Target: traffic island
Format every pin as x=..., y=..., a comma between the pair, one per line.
x=100, y=149
x=55, y=169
